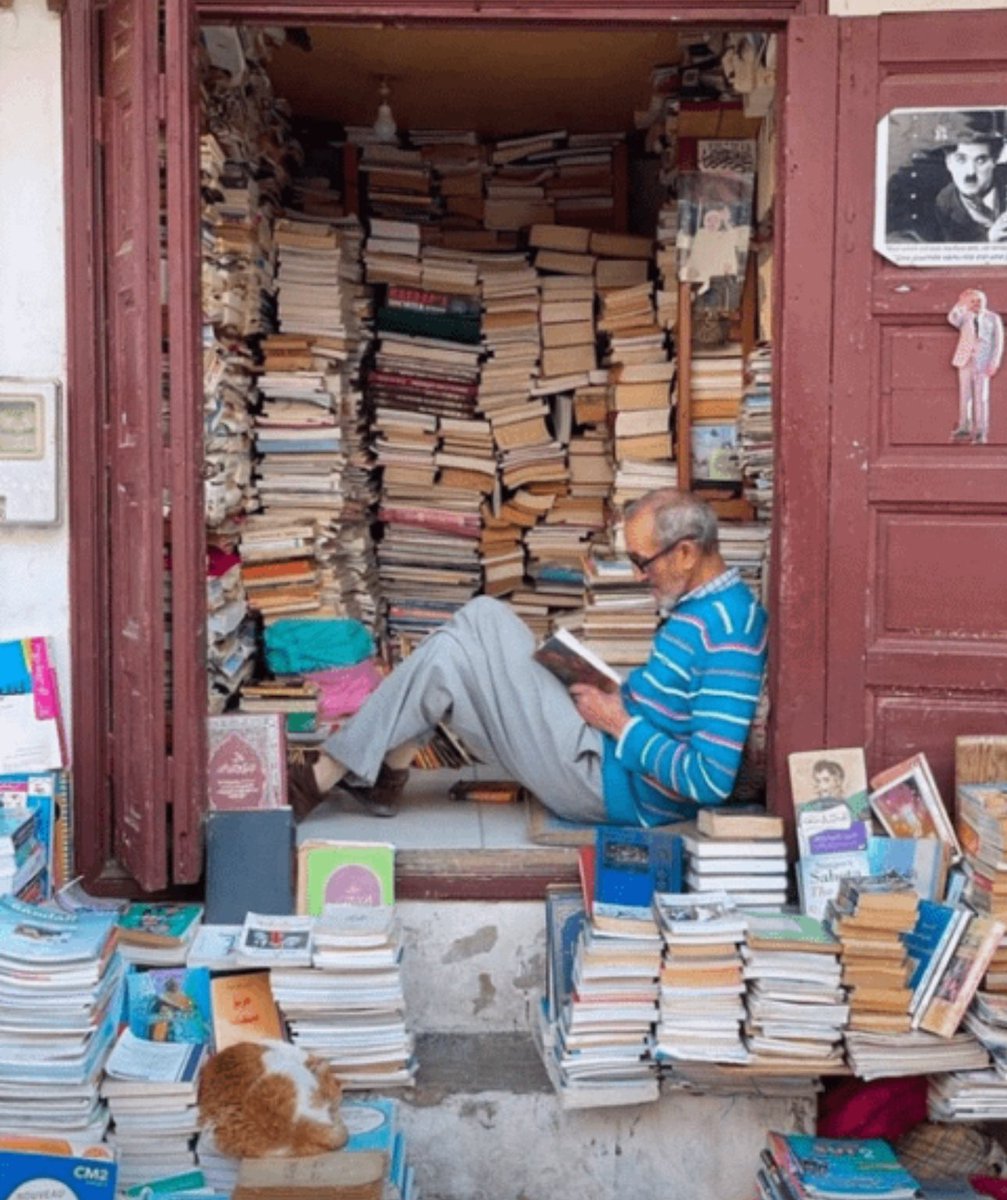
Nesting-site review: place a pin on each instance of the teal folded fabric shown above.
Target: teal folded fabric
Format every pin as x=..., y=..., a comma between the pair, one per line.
x=295, y=646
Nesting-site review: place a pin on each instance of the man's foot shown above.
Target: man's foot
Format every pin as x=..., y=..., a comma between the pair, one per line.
x=303, y=791
x=381, y=799
x=979, y=438
x=963, y=433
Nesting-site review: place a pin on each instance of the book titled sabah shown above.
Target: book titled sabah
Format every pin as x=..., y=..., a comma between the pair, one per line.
x=572, y=662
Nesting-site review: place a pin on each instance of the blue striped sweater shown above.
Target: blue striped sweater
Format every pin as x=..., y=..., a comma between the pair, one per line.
x=691, y=705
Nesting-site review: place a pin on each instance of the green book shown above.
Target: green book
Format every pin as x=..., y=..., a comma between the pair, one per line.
x=344, y=873
x=157, y=924
x=788, y=931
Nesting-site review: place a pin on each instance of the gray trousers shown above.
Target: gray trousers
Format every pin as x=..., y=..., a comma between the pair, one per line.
x=477, y=672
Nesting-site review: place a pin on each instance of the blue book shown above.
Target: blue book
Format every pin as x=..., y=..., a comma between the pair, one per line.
x=371, y=1124
x=632, y=864
x=27, y=1174
x=846, y=1167
x=565, y=917
x=932, y=923
x=170, y=1005
x=38, y=791
x=29, y=934
x=397, y=1166
x=920, y=860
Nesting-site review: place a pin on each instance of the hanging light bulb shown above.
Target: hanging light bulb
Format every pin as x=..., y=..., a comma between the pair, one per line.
x=385, y=129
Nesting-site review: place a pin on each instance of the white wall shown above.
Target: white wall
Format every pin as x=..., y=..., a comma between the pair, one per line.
x=34, y=585
x=872, y=8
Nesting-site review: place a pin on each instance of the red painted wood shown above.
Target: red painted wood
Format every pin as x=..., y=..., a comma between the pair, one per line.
x=188, y=540
x=135, y=442
x=917, y=646
x=803, y=319
x=514, y=12
x=85, y=443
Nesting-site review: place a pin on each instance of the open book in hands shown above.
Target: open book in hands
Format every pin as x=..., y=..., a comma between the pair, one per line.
x=572, y=662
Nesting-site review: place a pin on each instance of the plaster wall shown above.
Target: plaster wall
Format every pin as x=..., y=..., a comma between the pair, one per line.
x=34, y=581
x=873, y=8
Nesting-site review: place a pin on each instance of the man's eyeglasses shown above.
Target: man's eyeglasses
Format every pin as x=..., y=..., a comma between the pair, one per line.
x=643, y=565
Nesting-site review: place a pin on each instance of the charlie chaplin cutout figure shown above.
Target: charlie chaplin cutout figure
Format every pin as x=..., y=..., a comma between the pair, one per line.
x=977, y=357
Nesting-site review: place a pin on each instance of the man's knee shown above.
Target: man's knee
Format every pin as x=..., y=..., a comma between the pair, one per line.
x=486, y=613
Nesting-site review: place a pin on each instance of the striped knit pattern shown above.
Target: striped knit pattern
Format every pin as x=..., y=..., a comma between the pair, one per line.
x=691, y=706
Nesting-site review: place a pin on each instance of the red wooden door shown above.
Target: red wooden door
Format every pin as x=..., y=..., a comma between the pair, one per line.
x=135, y=443
x=155, y=543
x=916, y=610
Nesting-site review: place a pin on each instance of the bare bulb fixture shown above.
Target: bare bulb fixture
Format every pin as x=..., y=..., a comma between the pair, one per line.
x=385, y=129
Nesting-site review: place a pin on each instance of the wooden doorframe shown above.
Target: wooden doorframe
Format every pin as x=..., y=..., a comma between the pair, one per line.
x=797, y=661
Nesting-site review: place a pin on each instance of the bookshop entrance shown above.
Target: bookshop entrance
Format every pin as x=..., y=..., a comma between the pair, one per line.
x=437, y=297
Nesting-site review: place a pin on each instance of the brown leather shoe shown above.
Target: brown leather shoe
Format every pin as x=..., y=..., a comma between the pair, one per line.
x=303, y=791
x=381, y=799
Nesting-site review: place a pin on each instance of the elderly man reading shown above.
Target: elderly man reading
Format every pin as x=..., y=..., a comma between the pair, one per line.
x=671, y=739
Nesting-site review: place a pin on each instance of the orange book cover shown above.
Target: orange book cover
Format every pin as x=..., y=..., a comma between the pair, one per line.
x=244, y=1009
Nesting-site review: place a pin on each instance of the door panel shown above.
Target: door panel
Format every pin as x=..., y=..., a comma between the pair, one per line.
x=135, y=444
x=917, y=641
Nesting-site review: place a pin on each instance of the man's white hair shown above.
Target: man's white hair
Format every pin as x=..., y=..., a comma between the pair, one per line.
x=678, y=515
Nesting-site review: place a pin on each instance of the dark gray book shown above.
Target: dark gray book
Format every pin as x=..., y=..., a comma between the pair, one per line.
x=249, y=864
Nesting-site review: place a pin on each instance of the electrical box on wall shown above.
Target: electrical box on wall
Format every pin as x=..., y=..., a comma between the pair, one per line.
x=29, y=452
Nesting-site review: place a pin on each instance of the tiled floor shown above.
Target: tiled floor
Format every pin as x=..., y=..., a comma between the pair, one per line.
x=428, y=819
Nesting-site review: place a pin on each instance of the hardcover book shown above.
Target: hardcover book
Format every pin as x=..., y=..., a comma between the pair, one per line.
x=572, y=662
x=906, y=801
x=631, y=864
x=247, y=764
x=961, y=978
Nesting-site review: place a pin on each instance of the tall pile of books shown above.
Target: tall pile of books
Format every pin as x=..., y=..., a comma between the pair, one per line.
x=981, y=823
x=795, y=1001
x=745, y=545
x=150, y=1088
x=60, y=995
x=976, y=1095
x=348, y=1006
x=802, y=1167
x=428, y=364
x=716, y=387
x=744, y=856
x=702, y=987
x=456, y=160
x=871, y=917
x=666, y=261
x=244, y=160
x=755, y=432
x=601, y=999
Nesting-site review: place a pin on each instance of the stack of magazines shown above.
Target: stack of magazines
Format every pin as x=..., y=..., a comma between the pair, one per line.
x=60, y=995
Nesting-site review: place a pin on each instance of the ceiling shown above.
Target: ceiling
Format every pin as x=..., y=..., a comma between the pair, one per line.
x=500, y=81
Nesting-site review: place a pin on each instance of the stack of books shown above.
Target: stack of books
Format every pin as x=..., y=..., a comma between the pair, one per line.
x=716, y=389
x=666, y=262
x=743, y=855
x=23, y=854
x=986, y=1019
x=348, y=1007
x=515, y=184
x=601, y=997
x=755, y=432
x=374, y=1127
x=796, y=1004
x=745, y=545
x=566, y=278
x=619, y=616
x=230, y=647
x=60, y=996
x=702, y=985
x=802, y=1167
x=871, y=917
x=399, y=183
x=457, y=162
x=155, y=934
x=583, y=178
x=981, y=823
x=889, y=1055
x=967, y=1096
x=150, y=1087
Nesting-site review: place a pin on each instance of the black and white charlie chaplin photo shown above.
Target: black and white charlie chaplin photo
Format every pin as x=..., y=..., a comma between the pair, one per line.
x=941, y=192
